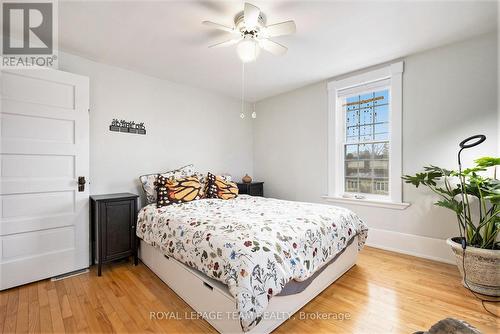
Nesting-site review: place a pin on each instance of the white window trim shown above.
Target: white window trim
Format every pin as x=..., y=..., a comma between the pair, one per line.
x=394, y=73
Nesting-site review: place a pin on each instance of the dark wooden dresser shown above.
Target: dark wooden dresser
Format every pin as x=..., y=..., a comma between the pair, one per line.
x=112, y=227
x=252, y=189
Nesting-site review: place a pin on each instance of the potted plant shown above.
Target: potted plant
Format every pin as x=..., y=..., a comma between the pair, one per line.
x=475, y=199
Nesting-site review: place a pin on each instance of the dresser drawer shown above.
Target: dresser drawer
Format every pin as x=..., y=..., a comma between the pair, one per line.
x=205, y=295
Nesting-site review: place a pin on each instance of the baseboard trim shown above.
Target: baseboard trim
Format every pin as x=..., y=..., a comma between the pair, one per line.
x=410, y=244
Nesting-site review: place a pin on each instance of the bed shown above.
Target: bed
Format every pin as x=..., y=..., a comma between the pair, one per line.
x=234, y=261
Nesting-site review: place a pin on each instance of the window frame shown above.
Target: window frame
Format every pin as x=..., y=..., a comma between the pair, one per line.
x=389, y=76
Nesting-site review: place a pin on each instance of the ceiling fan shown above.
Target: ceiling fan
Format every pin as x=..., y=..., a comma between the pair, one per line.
x=251, y=33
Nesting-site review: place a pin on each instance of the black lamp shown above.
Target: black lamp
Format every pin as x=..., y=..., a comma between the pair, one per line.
x=464, y=144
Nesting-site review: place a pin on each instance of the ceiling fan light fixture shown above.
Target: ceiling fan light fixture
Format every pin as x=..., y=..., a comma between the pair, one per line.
x=248, y=50
x=251, y=32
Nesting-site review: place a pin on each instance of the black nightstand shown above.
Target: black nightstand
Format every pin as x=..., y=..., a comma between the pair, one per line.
x=112, y=224
x=253, y=188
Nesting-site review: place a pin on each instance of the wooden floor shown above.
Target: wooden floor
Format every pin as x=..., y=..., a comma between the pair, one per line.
x=384, y=293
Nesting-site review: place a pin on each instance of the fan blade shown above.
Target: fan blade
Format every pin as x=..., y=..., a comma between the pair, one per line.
x=218, y=26
x=280, y=29
x=251, y=15
x=273, y=47
x=225, y=43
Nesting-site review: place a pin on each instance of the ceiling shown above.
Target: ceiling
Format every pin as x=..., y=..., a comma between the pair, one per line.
x=166, y=39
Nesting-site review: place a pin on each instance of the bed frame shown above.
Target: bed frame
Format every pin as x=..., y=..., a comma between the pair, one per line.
x=212, y=299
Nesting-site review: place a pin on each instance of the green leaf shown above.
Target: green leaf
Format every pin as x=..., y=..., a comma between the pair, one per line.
x=473, y=171
x=494, y=199
x=451, y=204
x=416, y=180
x=485, y=162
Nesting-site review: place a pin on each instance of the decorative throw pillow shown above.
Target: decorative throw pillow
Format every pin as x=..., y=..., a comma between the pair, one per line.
x=219, y=187
x=170, y=190
x=149, y=181
x=210, y=189
x=204, y=181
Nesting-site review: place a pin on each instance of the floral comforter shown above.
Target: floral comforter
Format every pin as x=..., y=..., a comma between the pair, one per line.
x=254, y=245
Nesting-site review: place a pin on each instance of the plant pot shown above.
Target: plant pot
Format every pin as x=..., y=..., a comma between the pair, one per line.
x=482, y=267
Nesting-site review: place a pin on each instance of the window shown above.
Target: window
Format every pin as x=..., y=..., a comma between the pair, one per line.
x=366, y=142
x=365, y=136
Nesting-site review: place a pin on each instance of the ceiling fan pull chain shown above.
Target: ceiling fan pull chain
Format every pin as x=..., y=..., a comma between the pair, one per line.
x=242, y=115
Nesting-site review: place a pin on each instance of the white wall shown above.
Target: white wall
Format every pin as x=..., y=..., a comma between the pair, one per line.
x=184, y=125
x=449, y=93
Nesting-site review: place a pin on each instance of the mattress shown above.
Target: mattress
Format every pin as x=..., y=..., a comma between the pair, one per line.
x=254, y=245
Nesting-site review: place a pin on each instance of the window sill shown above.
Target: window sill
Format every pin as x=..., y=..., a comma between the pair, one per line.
x=367, y=202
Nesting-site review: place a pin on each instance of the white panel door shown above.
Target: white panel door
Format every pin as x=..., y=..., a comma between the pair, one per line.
x=44, y=133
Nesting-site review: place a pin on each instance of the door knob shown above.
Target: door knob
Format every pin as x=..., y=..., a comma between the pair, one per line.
x=81, y=183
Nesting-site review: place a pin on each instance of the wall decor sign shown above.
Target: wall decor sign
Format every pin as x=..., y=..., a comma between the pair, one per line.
x=128, y=127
